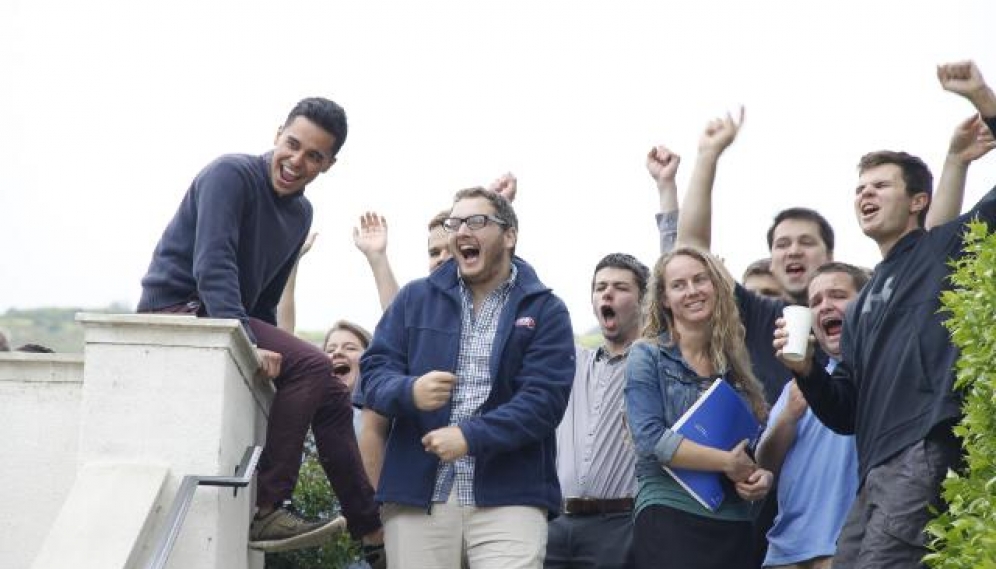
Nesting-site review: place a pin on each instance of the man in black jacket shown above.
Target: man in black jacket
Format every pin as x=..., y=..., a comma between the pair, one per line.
x=893, y=387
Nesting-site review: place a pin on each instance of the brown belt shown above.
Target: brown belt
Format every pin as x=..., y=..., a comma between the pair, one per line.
x=592, y=506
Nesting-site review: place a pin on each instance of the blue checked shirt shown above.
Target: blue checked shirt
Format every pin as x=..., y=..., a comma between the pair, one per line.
x=477, y=335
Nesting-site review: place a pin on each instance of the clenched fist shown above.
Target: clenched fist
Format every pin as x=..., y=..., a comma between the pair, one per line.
x=432, y=390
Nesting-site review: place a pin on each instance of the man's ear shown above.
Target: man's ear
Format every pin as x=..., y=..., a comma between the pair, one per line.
x=919, y=202
x=276, y=137
x=511, y=237
x=329, y=165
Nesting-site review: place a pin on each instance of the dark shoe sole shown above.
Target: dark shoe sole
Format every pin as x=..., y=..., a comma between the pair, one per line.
x=314, y=538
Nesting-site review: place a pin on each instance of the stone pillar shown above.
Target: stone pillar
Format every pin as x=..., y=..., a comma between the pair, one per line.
x=180, y=392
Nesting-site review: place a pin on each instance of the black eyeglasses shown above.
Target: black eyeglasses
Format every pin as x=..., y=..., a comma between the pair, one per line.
x=474, y=222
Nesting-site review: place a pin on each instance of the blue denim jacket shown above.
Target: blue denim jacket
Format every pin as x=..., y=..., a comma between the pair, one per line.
x=660, y=387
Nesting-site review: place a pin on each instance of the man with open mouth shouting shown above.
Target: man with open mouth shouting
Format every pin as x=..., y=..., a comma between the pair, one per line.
x=893, y=388
x=228, y=253
x=595, y=460
x=474, y=365
x=807, y=457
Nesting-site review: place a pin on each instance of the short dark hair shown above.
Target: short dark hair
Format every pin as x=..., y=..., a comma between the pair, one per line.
x=626, y=262
x=326, y=114
x=35, y=349
x=916, y=174
x=758, y=267
x=805, y=214
x=859, y=275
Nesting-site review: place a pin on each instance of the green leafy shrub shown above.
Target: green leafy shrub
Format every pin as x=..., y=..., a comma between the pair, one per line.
x=964, y=536
x=313, y=498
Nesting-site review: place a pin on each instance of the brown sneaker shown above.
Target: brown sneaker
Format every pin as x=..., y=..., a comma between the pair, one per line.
x=375, y=556
x=283, y=530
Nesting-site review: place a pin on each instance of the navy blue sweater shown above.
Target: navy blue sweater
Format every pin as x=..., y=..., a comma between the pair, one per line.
x=231, y=244
x=894, y=383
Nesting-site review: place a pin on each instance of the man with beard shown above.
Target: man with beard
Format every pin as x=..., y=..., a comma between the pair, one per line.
x=474, y=365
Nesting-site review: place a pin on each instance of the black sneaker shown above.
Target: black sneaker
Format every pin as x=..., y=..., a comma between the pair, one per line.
x=283, y=530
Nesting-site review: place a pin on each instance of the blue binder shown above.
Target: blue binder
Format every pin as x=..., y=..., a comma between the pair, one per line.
x=718, y=419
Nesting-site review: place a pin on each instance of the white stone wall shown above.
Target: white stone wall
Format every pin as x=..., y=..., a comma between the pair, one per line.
x=39, y=435
x=158, y=397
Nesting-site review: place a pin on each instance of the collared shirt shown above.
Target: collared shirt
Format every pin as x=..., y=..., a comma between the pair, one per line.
x=595, y=456
x=473, y=385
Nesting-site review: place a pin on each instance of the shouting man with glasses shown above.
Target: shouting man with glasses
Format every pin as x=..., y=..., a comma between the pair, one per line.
x=474, y=363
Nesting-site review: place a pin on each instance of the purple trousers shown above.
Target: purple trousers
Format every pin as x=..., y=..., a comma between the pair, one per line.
x=308, y=395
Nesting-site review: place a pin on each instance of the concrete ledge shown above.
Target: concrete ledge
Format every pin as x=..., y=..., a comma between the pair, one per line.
x=30, y=367
x=105, y=517
x=171, y=330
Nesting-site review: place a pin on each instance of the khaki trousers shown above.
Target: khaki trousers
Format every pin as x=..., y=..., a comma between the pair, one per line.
x=503, y=537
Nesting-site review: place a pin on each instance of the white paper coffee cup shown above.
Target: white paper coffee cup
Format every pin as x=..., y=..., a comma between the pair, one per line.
x=798, y=324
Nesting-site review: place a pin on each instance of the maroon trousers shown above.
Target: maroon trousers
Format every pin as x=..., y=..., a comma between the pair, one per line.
x=308, y=395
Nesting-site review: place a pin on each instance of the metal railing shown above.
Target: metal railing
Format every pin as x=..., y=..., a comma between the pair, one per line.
x=181, y=503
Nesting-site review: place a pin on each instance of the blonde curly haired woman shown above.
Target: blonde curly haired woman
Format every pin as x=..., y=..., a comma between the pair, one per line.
x=693, y=336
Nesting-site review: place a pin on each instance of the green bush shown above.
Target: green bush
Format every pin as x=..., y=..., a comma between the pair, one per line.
x=964, y=536
x=313, y=497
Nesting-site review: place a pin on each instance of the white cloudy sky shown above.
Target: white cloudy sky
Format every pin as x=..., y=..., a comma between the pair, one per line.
x=109, y=108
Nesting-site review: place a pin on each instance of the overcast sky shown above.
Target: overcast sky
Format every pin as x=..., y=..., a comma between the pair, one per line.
x=109, y=109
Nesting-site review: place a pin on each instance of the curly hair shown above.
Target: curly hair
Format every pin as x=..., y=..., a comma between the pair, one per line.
x=727, y=348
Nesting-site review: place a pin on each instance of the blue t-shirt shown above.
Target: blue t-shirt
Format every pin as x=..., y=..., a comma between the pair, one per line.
x=818, y=483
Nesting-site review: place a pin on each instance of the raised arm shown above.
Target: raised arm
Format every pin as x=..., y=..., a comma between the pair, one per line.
x=964, y=78
x=971, y=140
x=506, y=185
x=662, y=164
x=371, y=239
x=695, y=221
x=287, y=308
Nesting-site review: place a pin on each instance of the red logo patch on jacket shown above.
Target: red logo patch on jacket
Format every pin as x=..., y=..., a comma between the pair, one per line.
x=525, y=322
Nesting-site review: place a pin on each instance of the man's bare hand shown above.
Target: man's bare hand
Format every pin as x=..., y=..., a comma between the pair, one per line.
x=447, y=443
x=269, y=362
x=962, y=78
x=720, y=134
x=971, y=140
x=506, y=186
x=802, y=367
x=739, y=464
x=371, y=236
x=662, y=165
x=432, y=390
x=756, y=486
